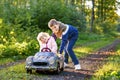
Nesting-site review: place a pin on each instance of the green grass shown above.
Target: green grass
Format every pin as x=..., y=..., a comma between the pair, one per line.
x=6, y=60
x=84, y=46
x=18, y=73
x=83, y=49
x=111, y=70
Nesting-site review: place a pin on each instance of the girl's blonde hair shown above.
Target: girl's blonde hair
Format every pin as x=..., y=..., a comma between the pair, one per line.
x=62, y=26
x=42, y=35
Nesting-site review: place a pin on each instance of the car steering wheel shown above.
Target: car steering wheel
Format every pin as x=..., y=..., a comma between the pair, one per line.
x=45, y=50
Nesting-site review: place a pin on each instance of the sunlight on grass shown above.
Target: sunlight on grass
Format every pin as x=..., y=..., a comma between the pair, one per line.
x=82, y=51
x=91, y=47
x=118, y=50
x=111, y=70
x=97, y=45
x=117, y=34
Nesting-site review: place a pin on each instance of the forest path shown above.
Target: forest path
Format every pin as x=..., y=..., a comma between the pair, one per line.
x=89, y=65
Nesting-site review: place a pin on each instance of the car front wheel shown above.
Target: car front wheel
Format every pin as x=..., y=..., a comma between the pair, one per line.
x=29, y=71
x=58, y=69
x=62, y=69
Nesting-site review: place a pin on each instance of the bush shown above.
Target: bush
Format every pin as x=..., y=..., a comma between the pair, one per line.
x=118, y=27
x=110, y=75
x=39, y=12
x=20, y=23
x=104, y=27
x=17, y=41
x=89, y=36
x=19, y=49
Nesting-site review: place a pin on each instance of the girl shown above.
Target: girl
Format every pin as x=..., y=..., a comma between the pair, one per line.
x=69, y=35
x=47, y=41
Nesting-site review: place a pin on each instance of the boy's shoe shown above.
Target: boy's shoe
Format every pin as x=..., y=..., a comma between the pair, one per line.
x=65, y=65
x=77, y=67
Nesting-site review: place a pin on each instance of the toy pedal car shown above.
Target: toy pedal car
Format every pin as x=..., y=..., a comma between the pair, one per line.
x=44, y=61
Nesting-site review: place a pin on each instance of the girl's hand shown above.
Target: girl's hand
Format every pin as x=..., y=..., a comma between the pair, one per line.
x=60, y=56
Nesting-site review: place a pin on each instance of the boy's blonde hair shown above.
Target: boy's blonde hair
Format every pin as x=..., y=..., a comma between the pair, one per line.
x=42, y=35
x=62, y=26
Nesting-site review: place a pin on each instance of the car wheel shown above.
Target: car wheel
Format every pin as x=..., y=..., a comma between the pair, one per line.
x=29, y=71
x=37, y=71
x=58, y=69
x=62, y=69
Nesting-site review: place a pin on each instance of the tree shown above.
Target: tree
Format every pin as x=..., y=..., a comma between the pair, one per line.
x=92, y=16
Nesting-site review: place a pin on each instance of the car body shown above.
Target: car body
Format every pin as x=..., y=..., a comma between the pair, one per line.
x=44, y=61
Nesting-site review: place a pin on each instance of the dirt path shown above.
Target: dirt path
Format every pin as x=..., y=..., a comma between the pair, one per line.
x=89, y=65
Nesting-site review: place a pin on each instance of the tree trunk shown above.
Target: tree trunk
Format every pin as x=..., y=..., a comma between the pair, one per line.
x=66, y=2
x=92, y=16
x=72, y=2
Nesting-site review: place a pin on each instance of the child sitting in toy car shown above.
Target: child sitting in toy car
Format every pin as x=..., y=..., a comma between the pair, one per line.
x=47, y=43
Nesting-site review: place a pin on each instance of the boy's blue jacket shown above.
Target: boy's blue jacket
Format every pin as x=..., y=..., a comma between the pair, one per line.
x=72, y=33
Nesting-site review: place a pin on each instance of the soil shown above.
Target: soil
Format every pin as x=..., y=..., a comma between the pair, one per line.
x=89, y=65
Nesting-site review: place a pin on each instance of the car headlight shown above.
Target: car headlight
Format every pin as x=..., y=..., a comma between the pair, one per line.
x=28, y=61
x=51, y=60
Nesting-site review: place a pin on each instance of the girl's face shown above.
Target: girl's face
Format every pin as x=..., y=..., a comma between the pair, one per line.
x=43, y=40
x=55, y=28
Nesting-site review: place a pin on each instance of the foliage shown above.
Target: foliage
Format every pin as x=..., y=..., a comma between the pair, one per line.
x=89, y=36
x=37, y=13
x=118, y=27
x=21, y=21
x=106, y=10
x=90, y=42
x=18, y=73
x=104, y=27
x=15, y=41
x=67, y=14
x=111, y=70
x=6, y=60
